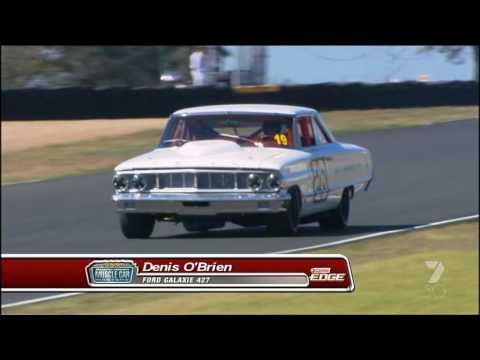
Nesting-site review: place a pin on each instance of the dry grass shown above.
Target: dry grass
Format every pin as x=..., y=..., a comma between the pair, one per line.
x=76, y=158
x=377, y=119
x=22, y=135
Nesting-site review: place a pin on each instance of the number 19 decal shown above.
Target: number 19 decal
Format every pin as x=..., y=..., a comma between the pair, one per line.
x=281, y=139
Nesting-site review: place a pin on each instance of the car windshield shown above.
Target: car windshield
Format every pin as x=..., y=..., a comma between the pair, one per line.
x=245, y=130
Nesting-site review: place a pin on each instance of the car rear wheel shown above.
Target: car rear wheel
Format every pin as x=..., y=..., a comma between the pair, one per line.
x=287, y=222
x=338, y=218
x=137, y=226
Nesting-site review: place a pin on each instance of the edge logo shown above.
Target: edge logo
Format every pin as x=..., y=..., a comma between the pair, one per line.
x=324, y=274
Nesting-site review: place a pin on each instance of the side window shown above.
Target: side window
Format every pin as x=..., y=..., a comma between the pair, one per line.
x=305, y=131
x=179, y=132
x=320, y=134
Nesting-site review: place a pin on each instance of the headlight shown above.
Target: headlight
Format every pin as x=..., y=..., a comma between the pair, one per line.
x=139, y=183
x=254, y=182
x=120, y=182
x=273, y=182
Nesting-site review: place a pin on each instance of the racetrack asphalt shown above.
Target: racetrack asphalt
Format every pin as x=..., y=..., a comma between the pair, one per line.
x=422, y=174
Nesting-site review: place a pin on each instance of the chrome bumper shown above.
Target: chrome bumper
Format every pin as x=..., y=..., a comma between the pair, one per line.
x=201, y=203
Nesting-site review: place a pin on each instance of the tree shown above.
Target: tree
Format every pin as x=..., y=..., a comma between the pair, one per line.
x=109, y=66
x=22, y=64
x=454, y=54
x=92, y=66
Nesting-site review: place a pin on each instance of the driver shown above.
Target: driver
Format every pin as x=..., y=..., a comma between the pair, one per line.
x=199, y=130
x=275, y=134
x=271, y=128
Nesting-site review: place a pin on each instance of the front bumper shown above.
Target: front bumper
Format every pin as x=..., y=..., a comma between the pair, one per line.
x=186, y=204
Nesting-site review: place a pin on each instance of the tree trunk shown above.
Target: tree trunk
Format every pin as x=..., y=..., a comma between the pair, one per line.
x=475, y=62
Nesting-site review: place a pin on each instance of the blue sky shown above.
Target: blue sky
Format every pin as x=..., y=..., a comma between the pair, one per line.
x=372, y=64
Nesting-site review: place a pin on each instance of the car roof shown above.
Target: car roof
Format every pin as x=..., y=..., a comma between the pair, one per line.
x=245, y=109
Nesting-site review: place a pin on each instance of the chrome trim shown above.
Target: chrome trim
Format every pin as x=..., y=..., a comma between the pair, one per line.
x=273, y=177
x=214, y=180
x=220, y=203
x=139, y=177
x=193, y=170
x=116, y=177
x=254, y=177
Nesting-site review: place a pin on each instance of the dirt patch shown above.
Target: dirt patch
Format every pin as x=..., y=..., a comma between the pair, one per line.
x=23, y=135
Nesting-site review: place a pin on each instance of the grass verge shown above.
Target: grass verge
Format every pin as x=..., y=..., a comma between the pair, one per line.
x=23, y=135
x=104, y=153
x=77, y=158
x=390, y=276
x=349, y=121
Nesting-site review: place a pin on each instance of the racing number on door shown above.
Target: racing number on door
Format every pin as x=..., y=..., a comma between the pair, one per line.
x=320, y=184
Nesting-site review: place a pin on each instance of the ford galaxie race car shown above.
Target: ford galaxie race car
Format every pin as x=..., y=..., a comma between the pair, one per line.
x=251, y=165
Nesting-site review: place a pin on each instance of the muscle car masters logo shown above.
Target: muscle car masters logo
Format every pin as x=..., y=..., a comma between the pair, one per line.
x=111, y=272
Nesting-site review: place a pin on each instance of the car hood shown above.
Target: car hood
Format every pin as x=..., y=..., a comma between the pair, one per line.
x=213, y=154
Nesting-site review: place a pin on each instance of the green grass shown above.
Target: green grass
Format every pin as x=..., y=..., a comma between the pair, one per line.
x=104, y=154
x=390, y=277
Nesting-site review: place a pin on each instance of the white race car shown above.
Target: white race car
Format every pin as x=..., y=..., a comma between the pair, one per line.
x=251, y=165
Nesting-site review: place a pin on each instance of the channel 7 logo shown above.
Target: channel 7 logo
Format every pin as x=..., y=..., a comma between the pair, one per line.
x=325, y=274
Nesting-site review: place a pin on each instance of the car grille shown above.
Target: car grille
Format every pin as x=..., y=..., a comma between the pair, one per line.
x=197, y=180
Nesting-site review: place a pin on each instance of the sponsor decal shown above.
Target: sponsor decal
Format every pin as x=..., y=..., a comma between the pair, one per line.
x=111, y=272
x=325, y=274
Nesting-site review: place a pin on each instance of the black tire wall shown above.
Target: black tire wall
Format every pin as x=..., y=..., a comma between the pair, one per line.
x=85, y=103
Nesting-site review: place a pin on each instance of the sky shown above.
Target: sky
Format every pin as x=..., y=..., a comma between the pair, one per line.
x=370, y=64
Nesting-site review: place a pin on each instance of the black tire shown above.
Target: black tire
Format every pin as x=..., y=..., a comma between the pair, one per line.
x=286, y=223
x=338, y=218
x=137, y=226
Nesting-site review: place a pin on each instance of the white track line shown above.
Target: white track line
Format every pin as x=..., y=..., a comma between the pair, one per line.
x=383, y=233
x=24, y=182
x=339, y=242
x=33, y=301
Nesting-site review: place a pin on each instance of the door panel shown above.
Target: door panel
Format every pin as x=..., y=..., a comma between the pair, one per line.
x=320, y=179
x=312, y=140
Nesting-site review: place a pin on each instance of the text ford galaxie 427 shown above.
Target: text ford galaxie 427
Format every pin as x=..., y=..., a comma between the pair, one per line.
x=251, y=165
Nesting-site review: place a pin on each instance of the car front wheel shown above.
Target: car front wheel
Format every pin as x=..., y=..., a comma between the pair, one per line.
x=338, y=218
x=137, y=226
x=287, y=222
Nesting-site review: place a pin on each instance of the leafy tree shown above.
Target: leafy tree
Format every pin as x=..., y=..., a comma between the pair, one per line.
x=108, y=66
x=91, y=66
x=454, y=54
x=22, y=64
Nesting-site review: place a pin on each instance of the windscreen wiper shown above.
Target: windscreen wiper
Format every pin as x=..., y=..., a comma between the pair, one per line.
x=176, y=140
x=259, y=144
